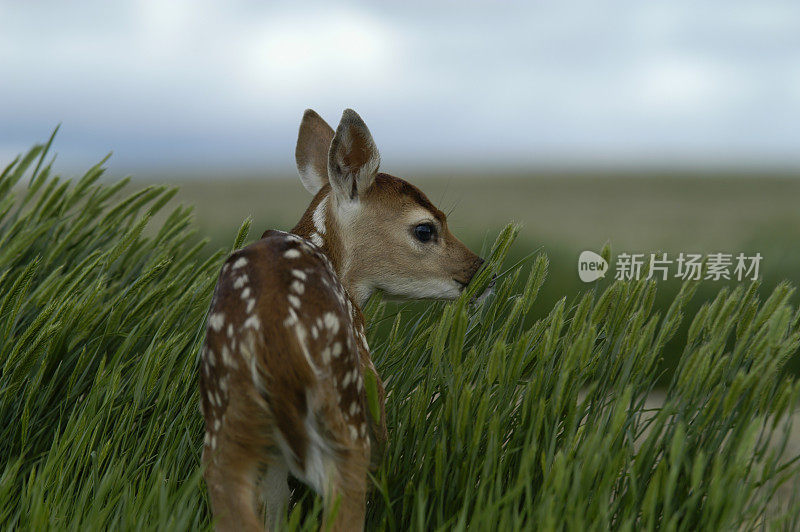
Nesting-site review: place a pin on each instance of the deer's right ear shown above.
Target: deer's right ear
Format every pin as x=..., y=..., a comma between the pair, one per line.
x=354, y=159
x=311, y=153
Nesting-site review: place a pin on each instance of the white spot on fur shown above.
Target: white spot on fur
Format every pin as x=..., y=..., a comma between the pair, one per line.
x=354, y=408
x=253, y=322
x=363, y=430
x=319, y=215
x=326, y=355
x=318, y=462
x=301, y=333
x=246, y=352
x=216, y=321
x=300, y=274
x=216, y=424
x=239, y=263
x=240, y=282
x=250, y=305
x=331, y=322
x=291, y=254
x=293, y=300
x=246, y=347
x=291, y=319
x=337, y=349
x=226, y=357
x=245, y=293
x=353, y=432
x=298, y=287
x=230, y=330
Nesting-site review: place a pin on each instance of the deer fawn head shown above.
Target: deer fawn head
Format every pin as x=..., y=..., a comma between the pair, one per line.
x=381, y=232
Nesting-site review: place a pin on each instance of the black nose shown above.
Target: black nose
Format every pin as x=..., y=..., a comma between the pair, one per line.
x=476, y=266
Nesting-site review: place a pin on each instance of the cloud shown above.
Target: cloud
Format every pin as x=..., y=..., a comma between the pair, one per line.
x=294, y=54
x=213, y=82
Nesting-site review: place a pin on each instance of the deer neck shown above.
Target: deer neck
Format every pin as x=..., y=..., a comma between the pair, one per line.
x=318, y=225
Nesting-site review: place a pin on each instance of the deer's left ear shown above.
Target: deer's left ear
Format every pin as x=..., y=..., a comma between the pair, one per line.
x=311, y=153
x=353, y=159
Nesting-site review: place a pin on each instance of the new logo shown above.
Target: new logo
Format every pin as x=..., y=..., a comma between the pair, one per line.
x=591, y=266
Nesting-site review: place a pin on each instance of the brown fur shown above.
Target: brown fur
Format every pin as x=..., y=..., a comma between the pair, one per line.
x=283, y=365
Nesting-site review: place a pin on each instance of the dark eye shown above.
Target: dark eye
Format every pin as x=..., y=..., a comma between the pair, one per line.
x=424, y=232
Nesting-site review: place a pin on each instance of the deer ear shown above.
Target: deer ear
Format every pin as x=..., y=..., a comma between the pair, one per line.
x=353, y=159
x=311, y=153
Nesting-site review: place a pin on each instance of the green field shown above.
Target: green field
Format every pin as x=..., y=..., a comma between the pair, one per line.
x=562, y=215
x=536, y=409
x=684, y=212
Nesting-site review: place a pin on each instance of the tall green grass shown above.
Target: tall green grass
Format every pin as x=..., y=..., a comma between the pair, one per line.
x=493, y=424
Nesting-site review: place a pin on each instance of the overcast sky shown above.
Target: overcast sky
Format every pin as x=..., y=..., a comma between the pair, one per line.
x=203, y=84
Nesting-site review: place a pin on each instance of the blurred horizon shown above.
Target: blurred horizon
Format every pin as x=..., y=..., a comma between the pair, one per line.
x=187, y=85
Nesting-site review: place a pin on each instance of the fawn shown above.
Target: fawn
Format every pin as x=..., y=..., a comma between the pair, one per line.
x=283, y=364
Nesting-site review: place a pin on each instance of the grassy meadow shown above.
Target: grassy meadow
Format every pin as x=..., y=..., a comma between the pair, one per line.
x=531, y=410
x=562, y=214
